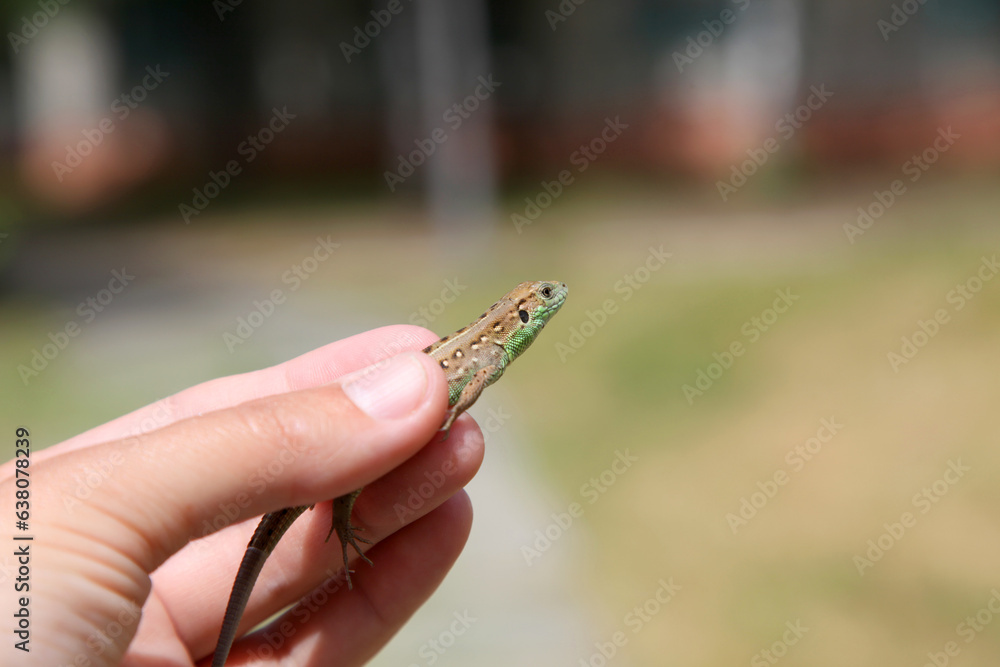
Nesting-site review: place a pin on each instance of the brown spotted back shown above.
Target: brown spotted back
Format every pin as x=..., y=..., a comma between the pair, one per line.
x=499, y=335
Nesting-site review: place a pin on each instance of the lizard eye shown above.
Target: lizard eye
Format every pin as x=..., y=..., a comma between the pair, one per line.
x=546, y=291
x=524, y=315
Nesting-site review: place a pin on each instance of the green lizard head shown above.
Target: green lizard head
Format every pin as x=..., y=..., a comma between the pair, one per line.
x=537, y=302
x=531, y=306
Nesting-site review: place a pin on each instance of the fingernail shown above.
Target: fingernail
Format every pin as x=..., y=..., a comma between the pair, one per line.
x=390, y=389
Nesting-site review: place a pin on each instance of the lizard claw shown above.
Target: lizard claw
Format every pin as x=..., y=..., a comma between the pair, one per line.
x=346, y=531
x=348, y=535
x=450, y=418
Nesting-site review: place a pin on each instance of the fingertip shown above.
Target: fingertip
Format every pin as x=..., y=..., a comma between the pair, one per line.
x=389, y=390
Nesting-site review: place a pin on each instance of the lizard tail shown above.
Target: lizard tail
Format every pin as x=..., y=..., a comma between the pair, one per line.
x=269, y=531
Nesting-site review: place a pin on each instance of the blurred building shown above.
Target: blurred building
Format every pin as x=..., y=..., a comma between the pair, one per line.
x=102, y=99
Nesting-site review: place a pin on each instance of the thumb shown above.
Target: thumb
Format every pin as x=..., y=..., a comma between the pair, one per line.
x=155, y=493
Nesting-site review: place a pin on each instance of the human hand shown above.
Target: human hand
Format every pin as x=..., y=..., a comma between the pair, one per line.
x=112, y=514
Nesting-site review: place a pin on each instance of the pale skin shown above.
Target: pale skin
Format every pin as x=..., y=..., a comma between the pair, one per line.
x=227, y=446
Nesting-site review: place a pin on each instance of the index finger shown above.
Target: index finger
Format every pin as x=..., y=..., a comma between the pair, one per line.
x=312, y=369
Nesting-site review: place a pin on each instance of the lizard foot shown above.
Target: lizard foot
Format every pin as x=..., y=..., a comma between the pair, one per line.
x=346, y=531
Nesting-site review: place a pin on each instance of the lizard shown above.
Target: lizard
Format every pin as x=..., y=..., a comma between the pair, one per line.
x=472, y=358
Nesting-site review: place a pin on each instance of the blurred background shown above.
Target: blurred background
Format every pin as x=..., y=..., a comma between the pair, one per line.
x=763, y=428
